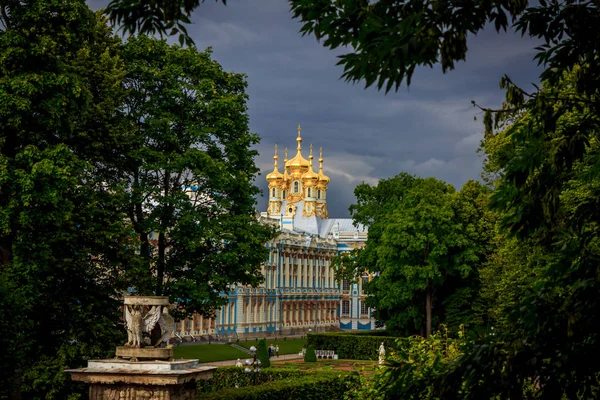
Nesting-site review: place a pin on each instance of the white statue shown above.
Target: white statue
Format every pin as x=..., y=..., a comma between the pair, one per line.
x=166, y=323
x=138, y=324
x=381, y=354
x=239, y=364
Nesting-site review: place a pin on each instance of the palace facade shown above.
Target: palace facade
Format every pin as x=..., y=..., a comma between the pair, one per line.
x=299, y=291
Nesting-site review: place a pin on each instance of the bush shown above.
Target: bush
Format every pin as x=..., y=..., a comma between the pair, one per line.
x=351, y=346
x=262, y=354
x=324, y=385
x=310, y=355
x=285, y=338
x=229, y=377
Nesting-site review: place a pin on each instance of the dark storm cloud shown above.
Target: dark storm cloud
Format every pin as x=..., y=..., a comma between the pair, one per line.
x=427, y=130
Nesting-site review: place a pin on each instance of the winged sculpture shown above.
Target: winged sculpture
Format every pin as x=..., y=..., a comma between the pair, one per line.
x=137, y=323
x=167, y=324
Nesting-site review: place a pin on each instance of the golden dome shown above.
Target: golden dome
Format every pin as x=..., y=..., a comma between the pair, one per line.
x=323, y=179
x=297, y=165
x=275, y=176
x=310, y=177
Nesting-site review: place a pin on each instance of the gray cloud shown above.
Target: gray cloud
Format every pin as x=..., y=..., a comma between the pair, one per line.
x=427, y=129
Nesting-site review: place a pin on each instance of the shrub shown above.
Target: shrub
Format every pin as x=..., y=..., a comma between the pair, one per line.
x=351, y=346
x=310, y=355
x=325, y=385
x=263, y=354
x=229, y=377
x=285, y=338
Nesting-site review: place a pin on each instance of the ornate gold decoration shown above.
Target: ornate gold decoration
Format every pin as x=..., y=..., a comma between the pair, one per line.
x=290, y=210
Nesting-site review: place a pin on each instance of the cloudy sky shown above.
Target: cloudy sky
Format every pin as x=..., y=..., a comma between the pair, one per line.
x=426, y=130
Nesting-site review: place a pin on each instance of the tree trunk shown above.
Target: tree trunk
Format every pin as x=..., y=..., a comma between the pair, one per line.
x=428, y=309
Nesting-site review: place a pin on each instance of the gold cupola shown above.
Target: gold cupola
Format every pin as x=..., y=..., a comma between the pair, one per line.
x=310, y=177
x=275, y=180
x=298, y=165
x=323, y=179
x=275, y=177
x=321, y=208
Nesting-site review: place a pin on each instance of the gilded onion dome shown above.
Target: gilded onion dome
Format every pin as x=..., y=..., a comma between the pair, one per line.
x=310, y=177
x=275, y=176
x=323, y=179
x=297, y=165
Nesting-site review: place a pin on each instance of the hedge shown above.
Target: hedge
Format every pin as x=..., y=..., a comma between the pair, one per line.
x=325, y=386
x=228, y=377
x=351, y=346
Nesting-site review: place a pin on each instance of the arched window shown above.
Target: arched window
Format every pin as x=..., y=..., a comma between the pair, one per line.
x=273, y=192
x=308, y=192
x=296, y=187
x=285, y=194
x=319, y=194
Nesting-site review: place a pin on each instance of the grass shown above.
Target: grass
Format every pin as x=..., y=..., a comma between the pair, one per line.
x=209, y=352
x=290, y=346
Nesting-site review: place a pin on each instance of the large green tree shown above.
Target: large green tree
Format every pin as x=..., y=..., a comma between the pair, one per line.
x=62, y=238
x=190, y=178
x=425, y=245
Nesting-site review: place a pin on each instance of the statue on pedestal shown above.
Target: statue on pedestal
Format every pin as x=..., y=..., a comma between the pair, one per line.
x=381, y=354
x=138, y=324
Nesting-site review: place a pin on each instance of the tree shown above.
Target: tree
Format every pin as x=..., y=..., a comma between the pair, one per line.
x=63, y=244
x=189, y=179
x=414, y=255
x=154, y=17
x=548, y=319
x=262, y=354
x=425, y=243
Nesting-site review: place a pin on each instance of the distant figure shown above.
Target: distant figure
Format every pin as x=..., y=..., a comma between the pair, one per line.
x=277, y=351
x=270, y=350
x=381, y=354
x=239, y=364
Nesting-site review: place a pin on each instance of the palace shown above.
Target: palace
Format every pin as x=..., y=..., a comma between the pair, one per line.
x=299, y=292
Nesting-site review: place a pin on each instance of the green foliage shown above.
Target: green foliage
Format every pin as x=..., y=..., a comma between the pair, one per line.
x=188, y=183
x=423, y=238
x=349, y=346
x=64, y=246
x=411, y=368
x=149, y=18
x=298, y=385
x=310, y=355
x=228, y=377
x=262, y=354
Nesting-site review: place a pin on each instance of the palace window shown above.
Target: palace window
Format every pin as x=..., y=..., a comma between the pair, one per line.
x=319, y=194
x=285, y=194
x=308, y=192
x=345, y=307
x=364, y=310
x=345, y=284
x=273, y=192
x=296, y=187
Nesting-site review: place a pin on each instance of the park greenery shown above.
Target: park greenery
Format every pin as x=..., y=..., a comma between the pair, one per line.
x=99, y=137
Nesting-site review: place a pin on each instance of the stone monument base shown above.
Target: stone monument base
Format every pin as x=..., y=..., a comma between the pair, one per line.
x=152, y=380
x=164, y=353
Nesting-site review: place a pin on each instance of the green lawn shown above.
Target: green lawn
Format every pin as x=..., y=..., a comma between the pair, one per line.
x=290, y=346
x=209, y=352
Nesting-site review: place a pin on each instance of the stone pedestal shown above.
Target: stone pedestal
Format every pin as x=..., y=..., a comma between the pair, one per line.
x=152, y=380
